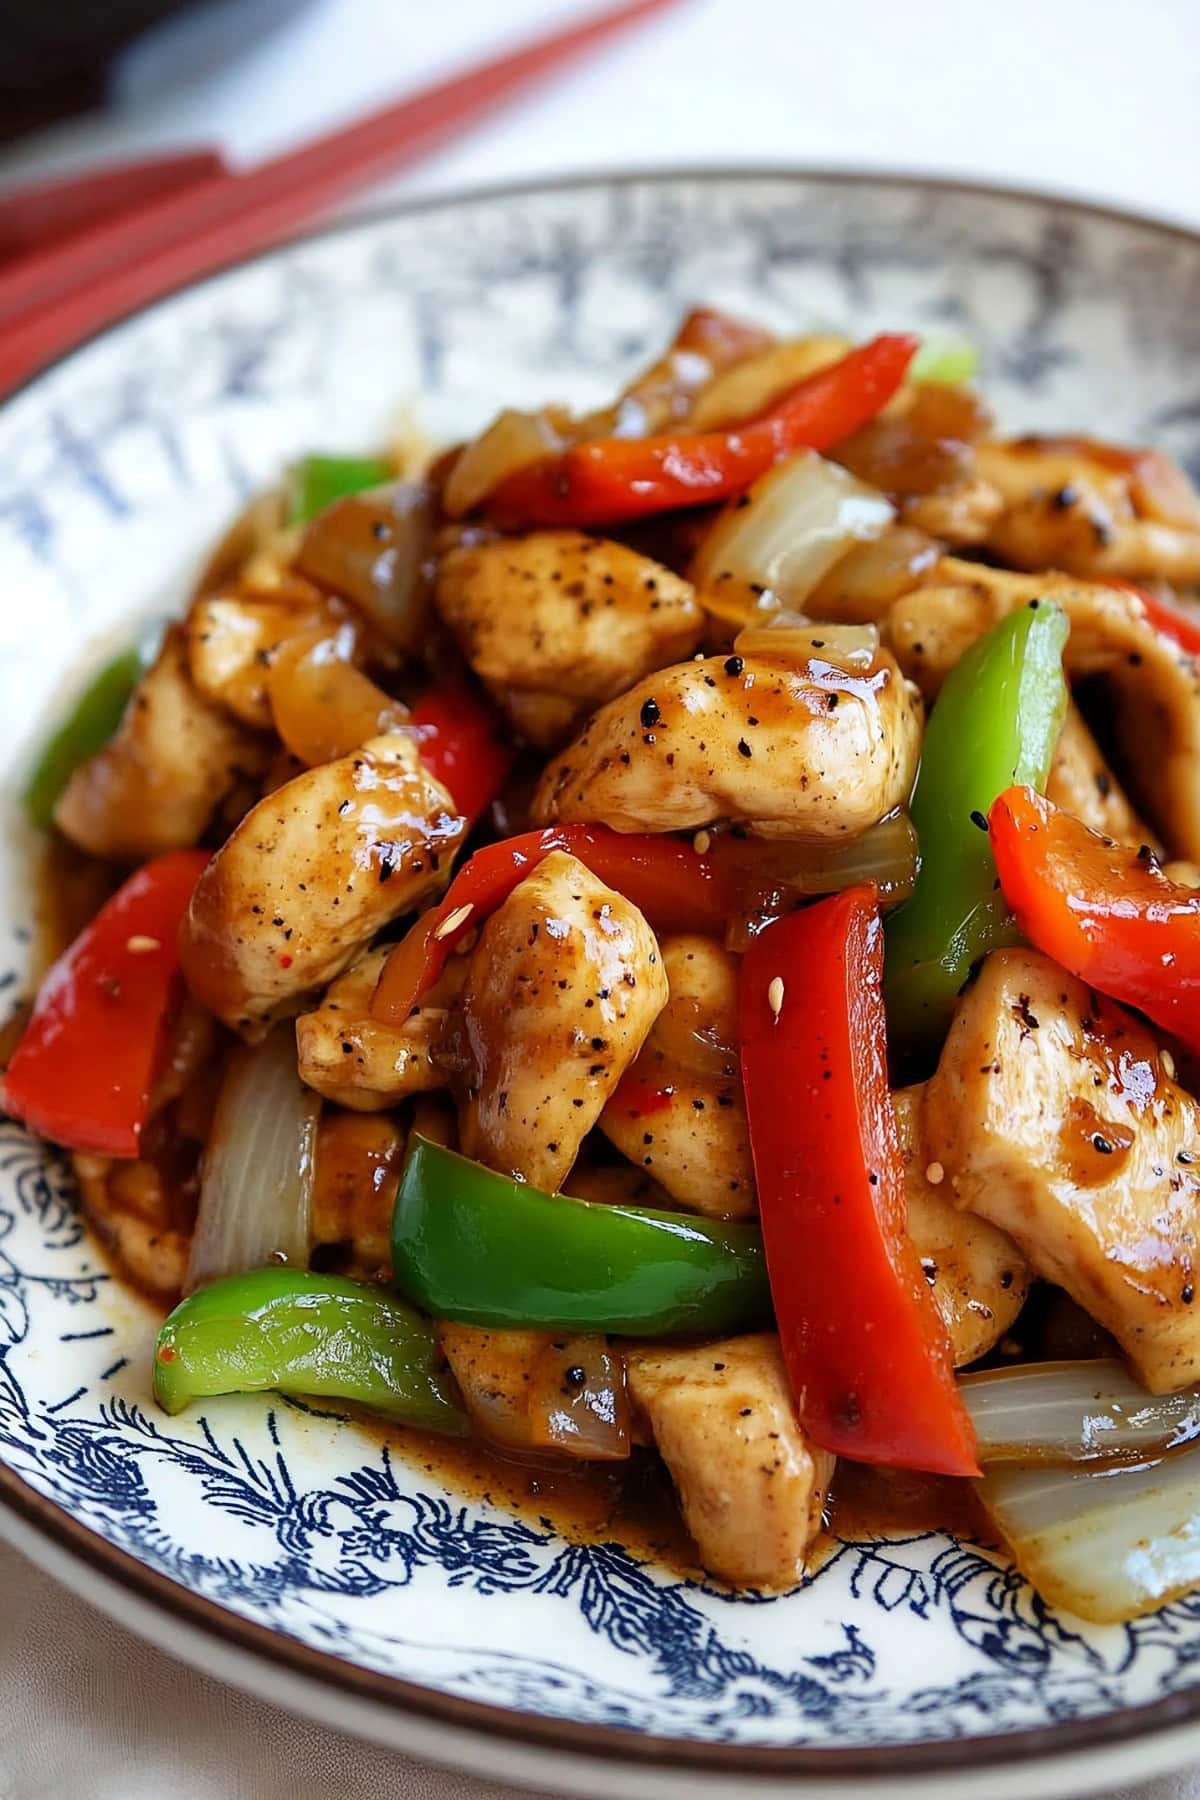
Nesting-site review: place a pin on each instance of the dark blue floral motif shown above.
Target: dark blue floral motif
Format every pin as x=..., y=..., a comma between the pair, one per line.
x=309, y=1557
x=288, y=1514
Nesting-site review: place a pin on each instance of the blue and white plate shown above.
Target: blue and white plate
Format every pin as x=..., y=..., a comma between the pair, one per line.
x=289, y=1550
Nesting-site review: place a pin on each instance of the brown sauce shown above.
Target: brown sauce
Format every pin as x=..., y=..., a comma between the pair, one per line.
x=69, y=889
x=630, y=1503
x=634, y=1504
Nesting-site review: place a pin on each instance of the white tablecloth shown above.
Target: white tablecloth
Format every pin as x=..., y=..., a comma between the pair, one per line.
x=1083, y=96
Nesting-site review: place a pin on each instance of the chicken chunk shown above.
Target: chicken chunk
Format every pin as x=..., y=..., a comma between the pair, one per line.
x=964, y=514
x=495, y=1372
x=796, y=750
x=1082, y=783
x=555, y=623
x=231, y=639
x=310, y=875
x=1154, y=687
x=617, y=1184
x=563, y=985
x=354, y=1059
x=138, y=1215
x=978, y=1276
x=1053, y=1115
x=1095, y=509
x=685, y=1120
x=358, y=1164
x=751, y=1486
x=156, y=784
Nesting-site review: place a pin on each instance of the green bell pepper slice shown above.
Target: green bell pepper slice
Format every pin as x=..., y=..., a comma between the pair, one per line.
x=315, y=482
x=479, y=1248
x=947, y=360
x=996, y=722
x=87, y=728
x=303, y=1333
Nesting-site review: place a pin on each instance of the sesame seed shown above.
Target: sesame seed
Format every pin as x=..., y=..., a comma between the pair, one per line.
x=702, y=843
x=775, y=995
x=453, y=920
x=1168, y=1063
x=935, y=1174
x=140, y=945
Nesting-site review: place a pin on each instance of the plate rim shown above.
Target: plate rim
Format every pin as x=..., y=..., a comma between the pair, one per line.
x=222, y=1627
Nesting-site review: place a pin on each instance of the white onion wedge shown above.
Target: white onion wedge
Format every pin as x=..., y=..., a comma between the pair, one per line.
x=512, y=441
x=256, y=1184
x=1060, y=1413
x=772, y=545
x=1107, y=1544
x=787, y=633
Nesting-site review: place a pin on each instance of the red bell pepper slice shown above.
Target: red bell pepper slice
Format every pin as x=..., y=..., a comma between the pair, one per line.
x=674, y=886
x=83, y=1070
x=1169, y=621
x=865, y=1348
x=608, y=480
x=460, y=742
x=1104, y=911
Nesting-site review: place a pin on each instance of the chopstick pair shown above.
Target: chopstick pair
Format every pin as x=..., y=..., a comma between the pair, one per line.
x=179, y=218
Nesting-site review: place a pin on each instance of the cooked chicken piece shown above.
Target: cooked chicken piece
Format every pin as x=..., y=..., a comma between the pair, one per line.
x=978, y=1276
x=751, y=1487
x=156, y=783
x=133, y=1211
x=1154, y=685
x=357, y=1172
x=361, y=1063
x=962, y=515
x=1070, y=503
x=617, y=1184
x=310, y=875
x=685, y=1120
x=560, y=617
x=232, y=638
x=1082, y=783
x=1053, y=1115
x=563, y=985
x=495, y=1374
x=808, y=750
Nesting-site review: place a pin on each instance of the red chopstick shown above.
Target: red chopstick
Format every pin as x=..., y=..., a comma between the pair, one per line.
x=31, y=217
x=56, y=297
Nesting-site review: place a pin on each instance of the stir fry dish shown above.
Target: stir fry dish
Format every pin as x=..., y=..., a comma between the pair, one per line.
x=673, y=934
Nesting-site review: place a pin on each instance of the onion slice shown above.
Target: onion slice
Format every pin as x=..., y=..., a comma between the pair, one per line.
x=577, y=1400
x=787, y=870
x=512, y=441
x=772, y=545
x=757, y=382
x=790, y=634
x=1107, y=1544
x=1061, y=1413
x=322, y=706
x=257, y=1178
x=374, y=549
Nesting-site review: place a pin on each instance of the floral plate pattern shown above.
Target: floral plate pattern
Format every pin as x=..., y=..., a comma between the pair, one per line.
x=897, y=1656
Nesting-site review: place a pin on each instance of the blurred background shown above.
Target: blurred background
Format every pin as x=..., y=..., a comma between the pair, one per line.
x=1094, y=98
